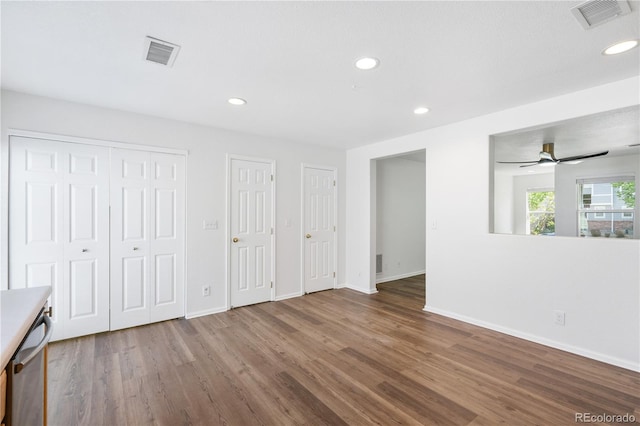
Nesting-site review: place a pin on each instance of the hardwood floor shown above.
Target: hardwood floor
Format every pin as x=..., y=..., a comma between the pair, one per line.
x=335, y=357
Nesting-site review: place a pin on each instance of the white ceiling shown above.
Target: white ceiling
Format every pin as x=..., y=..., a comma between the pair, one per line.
x=293, y=61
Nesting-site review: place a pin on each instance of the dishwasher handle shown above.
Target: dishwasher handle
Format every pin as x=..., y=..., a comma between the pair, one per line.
x=18, y=365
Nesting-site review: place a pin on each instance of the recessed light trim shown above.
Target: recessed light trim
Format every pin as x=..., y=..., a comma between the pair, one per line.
x=237, y=101
x=367, y=63
x=421, y=110
x=623, y=46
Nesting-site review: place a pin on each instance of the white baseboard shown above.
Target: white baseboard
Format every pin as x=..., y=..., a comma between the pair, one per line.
x=361, y=290
x=399, y=277
x=341, y=285
x=205, y=312
x=629, y=365
x=288, y=296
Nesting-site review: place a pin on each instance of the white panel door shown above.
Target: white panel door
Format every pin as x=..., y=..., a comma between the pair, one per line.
x=251, y=228
x=59, y=222
x=166, y=249
x=147, y=237
x=319, y=228
x=86, y=230
x=129, y=238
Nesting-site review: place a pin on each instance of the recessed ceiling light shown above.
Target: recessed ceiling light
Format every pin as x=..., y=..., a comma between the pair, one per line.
x=620, y=47
x=367, y=63
x=236, y=101
x=421, y=110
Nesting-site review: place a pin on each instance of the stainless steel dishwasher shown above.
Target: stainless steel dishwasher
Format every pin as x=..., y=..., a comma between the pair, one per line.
x=27, y=381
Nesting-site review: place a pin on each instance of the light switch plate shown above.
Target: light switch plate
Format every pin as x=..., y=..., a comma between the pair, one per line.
x=210, y=224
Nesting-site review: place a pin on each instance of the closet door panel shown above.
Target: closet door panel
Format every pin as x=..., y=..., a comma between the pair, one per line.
x=59, y=229
x=86, y=230
x=129, y=238
x=167, y=186
x=36, y=179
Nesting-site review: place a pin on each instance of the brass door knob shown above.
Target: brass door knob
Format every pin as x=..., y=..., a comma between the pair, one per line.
x=308, y=236
x=235, y=239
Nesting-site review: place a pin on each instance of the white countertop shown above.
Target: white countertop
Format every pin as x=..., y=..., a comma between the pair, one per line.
x=18, y=310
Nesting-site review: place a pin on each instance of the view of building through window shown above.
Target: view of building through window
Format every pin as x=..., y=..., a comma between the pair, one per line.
x=541, y=212
x=606, y=207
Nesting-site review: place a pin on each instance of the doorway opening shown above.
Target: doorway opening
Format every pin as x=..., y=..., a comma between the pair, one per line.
x=400, y=219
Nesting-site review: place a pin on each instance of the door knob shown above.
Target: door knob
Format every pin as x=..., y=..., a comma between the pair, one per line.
x=135, y=248
x=308, y=236
x=85, y=250
x=235, y=239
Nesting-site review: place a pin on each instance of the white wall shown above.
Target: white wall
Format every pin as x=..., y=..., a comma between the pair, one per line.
x=492, y=279
x=400, y=217
x=206, y=176
x=503, y=204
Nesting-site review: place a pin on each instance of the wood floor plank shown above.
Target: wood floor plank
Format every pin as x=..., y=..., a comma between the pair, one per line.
x=483, y=391
x=372, y=408
x=316, y=407
x=106, y=393
x=333, y=357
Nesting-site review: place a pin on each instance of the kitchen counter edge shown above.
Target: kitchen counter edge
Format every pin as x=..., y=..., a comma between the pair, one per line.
x=18, y=310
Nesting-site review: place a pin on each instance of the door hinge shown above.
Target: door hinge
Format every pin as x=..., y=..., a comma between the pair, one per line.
x=271, y=284
x=271, y=231
x=334, y=275
x=334, y=229
x=271, y=178
x=334, y=183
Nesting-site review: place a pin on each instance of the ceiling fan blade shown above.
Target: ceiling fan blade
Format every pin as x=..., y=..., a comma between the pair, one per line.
x=582, y=157
x=529, y=165
x=517, y=162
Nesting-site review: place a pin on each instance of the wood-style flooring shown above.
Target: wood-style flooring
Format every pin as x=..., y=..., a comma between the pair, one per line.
x=336, y=358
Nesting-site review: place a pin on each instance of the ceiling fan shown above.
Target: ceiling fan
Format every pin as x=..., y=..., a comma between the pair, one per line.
x=548, y=158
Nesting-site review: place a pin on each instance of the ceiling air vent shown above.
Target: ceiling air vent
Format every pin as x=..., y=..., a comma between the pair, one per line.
x=160, y=52
x=596, y=12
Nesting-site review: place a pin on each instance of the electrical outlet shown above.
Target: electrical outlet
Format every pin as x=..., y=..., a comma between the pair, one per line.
x=206, y=290
x=558, y=317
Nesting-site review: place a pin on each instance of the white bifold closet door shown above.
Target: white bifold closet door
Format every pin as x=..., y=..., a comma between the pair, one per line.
x=147, y=237
x=107, y=234
x=59, y=229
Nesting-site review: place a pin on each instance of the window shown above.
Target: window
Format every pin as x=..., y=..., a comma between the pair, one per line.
x=606, y=207
x=541, y=215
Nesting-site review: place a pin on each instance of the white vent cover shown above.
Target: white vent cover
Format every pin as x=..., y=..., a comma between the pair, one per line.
x=596, y=12
x=160, y=52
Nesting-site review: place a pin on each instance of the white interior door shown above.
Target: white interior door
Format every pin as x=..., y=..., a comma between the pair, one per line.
x=319, y=227
x=59, y=226
x=251, y=227
x=147, y=237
